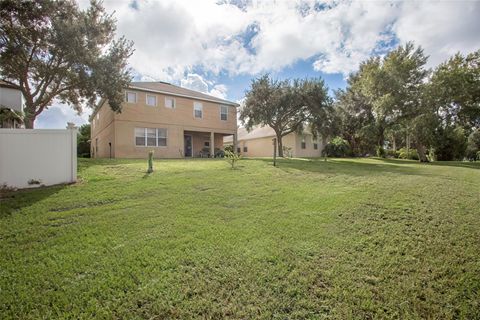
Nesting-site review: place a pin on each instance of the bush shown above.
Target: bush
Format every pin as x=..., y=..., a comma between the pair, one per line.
x=403, y=154
x=391, y=153
x=380, y=152
x=219, y=153
x=229, y=148
x=337, y=147
x=473, y=146
x=232, y=158
x=287, y=152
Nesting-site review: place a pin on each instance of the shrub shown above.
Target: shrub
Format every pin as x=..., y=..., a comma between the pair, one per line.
x=287, y=152
x=412, y=154
x=391, y=153
x=380, y=152
x=232, y=158
x=337, y=147
x=473, y=146
x=229, y=148
x=219, y=153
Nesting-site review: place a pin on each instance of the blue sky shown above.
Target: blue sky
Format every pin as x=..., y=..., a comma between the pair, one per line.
x=218, y=46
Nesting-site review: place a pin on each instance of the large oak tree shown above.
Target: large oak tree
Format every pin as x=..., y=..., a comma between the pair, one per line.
x=53, y=50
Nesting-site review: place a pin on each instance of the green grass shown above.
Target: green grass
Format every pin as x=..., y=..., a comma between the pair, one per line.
x=343, y=239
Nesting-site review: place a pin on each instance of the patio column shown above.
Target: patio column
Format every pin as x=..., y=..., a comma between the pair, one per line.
x=212, y=146
x=235, y=143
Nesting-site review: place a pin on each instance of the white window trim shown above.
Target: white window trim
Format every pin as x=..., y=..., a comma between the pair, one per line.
x=146, y=100
x=195, y=103
x=221, y=107
x=126, y=96
x=146, y=138
x=174, y=102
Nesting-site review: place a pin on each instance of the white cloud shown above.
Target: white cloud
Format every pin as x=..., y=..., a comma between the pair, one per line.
x=197, y=82
x=57, y=116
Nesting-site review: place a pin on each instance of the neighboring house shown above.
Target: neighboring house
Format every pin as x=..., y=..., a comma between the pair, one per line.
x=12, y=103
x=173, y=121
x=259, y=143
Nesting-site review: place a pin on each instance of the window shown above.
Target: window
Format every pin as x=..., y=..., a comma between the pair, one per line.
x=162, y=137
x=238, y=150
x=303, y=145
x=151, y=100
x=198, y=110
x=206, y=144
x=245, y=149
x=223, y=112
x=169, y=102
x=151, y=137
x=140, y=137
x=131, y=97
x=315, y=145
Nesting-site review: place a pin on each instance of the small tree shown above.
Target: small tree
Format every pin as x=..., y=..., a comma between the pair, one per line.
x=232, y=158
x=286, y=106
x=83, y=141
x=52, y=50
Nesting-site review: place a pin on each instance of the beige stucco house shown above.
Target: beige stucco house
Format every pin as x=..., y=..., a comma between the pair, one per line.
x=173, y=121
x=12, y=103
x=259, y=143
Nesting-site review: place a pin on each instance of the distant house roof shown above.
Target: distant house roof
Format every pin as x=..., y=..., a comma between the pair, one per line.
x=256, y=133
x=168, y=88
x=4, y=84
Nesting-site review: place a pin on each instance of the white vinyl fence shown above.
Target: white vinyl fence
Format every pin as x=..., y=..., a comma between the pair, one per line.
x=34, y=157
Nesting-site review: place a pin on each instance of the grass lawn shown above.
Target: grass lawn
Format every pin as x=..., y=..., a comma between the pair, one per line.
x=343, y=239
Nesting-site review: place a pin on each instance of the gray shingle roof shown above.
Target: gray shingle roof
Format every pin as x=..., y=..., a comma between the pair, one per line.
x=164, y=87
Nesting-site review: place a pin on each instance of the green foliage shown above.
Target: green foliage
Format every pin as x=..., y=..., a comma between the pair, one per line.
x=286, y=106
x=450, y=143
x=380, y=151
x=219, y=153
x=473, y=146
x=83, y=141
x=229, y=148
x=337, y=147
x=411, y=154
x=232, y=158
x=53, y=50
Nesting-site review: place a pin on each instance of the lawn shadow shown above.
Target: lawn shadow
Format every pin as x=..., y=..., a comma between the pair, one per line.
x=349, y=166
x=11, y=201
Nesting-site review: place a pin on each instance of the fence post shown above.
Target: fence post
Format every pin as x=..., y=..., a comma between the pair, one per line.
x=73, y=150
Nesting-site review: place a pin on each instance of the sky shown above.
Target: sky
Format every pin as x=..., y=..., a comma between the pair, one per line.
x=219, y=46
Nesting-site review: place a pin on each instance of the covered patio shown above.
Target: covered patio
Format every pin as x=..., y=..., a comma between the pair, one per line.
x=203, y=144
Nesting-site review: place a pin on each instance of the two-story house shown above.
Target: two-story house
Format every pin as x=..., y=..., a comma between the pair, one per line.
x=173, y=121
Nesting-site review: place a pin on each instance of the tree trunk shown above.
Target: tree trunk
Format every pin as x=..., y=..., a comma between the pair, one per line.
x=394, y=142
x=29, y=122
x=280, y=145
x=422, y=152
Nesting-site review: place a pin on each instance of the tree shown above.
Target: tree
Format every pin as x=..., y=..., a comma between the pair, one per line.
x=455, y=86
x=83, y=141
x=53, y=50
x=286, y=106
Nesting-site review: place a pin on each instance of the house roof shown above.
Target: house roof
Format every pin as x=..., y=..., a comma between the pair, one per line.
x=168, y=88
x=4, y=84
x=256, y=133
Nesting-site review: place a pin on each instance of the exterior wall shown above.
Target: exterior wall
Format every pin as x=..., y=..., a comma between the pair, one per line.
x=263, y=147
x=12, y=98
x=309, y=151
x=102, y=133
x=44, y=155
x=119, y=128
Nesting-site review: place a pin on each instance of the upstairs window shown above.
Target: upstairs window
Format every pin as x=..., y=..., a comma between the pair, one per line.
x=223, y=113
x=151, y=100
x=169, y=102
x=198, y=110
x=131, y=97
